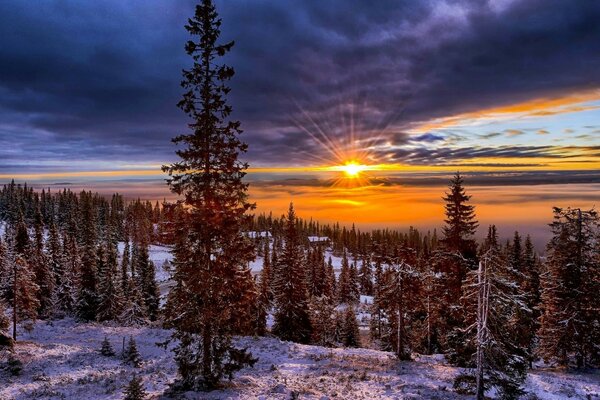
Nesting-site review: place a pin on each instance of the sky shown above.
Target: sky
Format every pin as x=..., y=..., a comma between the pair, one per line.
x=507, y=91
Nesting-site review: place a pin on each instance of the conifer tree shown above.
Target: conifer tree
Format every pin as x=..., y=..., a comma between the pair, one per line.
x=87, y=298
x=106, y=348
x=366, y=278
x=135, y=389
x=456, y=257
x=531, y=291
x=134, y=308
x=265, y=294
x=350, y=330
x=569, y=323
x=322, y=311
x=460, y=219
x=110, y=300
x=147, y=281
x=67, y=277
x=125, y=266
x=354, y=284
x=499, y=358
x=211, y=253
x=43, y=273
x=344, y=285
x=291, y=316
x=132, y=355
x=25, y=300
x=396, y=299
x=329, y=284
x=54, y=254
x=21, y=239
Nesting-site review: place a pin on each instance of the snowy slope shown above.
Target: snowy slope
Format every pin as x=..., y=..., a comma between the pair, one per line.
x=62, y=362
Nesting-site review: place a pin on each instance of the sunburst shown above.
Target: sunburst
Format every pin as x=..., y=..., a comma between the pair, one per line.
x=352, y=149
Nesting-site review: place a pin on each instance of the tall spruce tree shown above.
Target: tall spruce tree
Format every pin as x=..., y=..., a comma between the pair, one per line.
x=354, y=283
x=531, y=290
x=396, y=300
x=292, y=321
x=350, y=334
x=66, y=298
x=322, y=311
x=147, y=281
x=460, y=219
x=265, y=295
x=493, y=298
x=110, y=300
x=87, y=298
x=211, y=254
x=125, y=265
x=366, y=277
x=25, y=300
x=569, y=332
x=44, y=275
x=345, y=292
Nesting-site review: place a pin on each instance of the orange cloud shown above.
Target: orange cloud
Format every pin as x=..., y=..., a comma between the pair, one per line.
x=571, y=103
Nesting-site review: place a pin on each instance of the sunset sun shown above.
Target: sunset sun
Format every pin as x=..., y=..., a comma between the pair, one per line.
x=352, y=169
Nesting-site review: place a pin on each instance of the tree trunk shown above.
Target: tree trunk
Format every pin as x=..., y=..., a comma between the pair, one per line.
x=480, y=331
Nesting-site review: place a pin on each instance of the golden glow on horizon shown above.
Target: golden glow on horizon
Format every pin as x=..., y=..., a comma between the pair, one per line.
x=574, y=161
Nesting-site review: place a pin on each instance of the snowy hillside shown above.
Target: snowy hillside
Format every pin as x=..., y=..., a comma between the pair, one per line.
x=61, y=361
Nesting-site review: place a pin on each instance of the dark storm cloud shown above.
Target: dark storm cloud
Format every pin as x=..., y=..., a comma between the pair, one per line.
x=87, y=81
x=428, y=137
x=448, y=156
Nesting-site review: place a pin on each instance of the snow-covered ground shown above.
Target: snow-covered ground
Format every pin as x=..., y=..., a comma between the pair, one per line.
x=61, y=361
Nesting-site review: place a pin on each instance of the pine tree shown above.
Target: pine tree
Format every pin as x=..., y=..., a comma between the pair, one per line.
x=322, y=311
x=434, y=309
x=106, y=348
x=25, y=293
x=291, y=316
x=125, y=266
x=350, y=331
x=67, y=277
x=460, y=219
x=396, y=300
x=147, y=281
x=135, y=390
x=354, y=284
x=265, y=294
x=87, y=298
x=366, y=278
x=531, y=290
x=211, y=253
x=134, y=308
x=329, y=284
x=43, y=274
x=110, y=299
x=499, y=359
x=132, y=355
x=344, y=285
x=55, y=255
x=570, y=319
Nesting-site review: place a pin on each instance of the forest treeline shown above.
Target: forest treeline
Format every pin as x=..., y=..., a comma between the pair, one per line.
x=59, y=256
